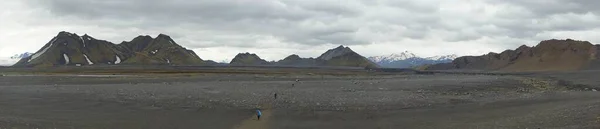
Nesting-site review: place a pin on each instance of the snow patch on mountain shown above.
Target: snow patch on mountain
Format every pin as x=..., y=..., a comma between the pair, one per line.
x=88, y=59
x=82, y=41
x=118, y=59
x=66, y=58
x=36, y=55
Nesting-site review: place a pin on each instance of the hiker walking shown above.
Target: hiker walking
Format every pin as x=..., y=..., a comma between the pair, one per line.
x=258, y=114
x=275, y=96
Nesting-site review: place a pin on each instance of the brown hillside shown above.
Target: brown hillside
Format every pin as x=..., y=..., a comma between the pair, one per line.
x=549, y=55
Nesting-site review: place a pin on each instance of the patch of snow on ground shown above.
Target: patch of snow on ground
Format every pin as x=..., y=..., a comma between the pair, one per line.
x=66, y=58
x=118, y=60
x=168, y=61
x=36, y=55
x=88, y=59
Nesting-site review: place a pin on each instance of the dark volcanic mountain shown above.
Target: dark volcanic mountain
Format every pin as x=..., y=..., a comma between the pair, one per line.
x=68, y=49
x=295, y=60
x=340, y=56
x=161, y=50
x=71, y=49
x=549, y=55
x=248, y=59
x=344, y=56
x=351, y=59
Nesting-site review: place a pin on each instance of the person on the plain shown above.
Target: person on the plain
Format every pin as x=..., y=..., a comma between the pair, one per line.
x=275, y=95
x=258, y=114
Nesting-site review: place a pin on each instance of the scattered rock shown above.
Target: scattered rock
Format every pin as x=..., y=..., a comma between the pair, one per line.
x=594, y=90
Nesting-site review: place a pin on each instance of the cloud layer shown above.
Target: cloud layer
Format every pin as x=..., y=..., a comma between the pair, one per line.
x=219, y=29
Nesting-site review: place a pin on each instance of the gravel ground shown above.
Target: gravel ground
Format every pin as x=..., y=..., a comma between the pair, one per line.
x=223, y=101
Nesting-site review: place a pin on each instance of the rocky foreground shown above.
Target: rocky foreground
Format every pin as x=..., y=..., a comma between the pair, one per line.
x=226, y=101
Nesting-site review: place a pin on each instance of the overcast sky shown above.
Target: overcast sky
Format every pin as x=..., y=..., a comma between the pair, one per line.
x=219, y=29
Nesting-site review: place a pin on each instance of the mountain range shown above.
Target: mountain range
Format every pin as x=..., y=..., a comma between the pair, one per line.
x=407, y=59
x=69, y=49
x=340, y=56
x=548, y=55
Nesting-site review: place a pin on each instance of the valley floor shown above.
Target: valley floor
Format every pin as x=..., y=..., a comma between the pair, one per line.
x=228, y=101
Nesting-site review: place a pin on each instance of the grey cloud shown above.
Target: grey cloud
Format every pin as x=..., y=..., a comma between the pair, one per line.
x=212, y=23
x=551, y=7
x=269, y=17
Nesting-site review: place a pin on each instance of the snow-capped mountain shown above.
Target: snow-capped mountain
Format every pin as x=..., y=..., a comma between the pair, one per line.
x=341, y=50
x=446, y=57
x=22, y=55
x=8, y=61
x=407, y=59
x=393, y=57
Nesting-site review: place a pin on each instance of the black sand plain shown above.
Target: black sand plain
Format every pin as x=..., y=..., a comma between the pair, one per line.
x=317, y=98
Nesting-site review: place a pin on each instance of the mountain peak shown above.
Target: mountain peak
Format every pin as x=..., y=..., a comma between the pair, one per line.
x=341, y=47
x=247, y=59
x=65, y=34
x=293, y=56
x=163, y=36
x=340, y=50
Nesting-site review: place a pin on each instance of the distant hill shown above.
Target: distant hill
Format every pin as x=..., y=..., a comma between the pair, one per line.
x=351, y=59
x=214, y=63
x=71, y=49
x=295, y=60
x=248, y=59
x=340, y=56
x=549, y=55
x=408, y=60
x=344, y=56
